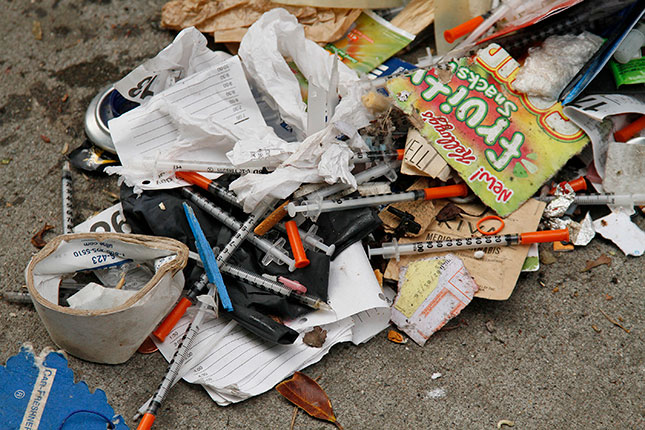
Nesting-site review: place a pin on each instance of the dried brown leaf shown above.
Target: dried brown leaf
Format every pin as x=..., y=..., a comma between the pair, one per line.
x=452, y=211
x=315, y=338
x=37, y=239
x=603, y=259
x=45, y=138
x=449, y=212
x=305, y=393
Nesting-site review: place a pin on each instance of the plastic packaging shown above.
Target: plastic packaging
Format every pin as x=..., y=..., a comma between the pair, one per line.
x=550, y=67
x=630, y=47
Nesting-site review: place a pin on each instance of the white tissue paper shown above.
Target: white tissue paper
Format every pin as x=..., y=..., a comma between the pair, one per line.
x=320, y=157
x=94, y=297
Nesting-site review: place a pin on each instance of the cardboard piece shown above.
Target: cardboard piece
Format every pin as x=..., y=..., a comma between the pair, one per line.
x=496, y=273
x=415, y=16
x=40, y=393
x=423, y=211
x=422, y=159
x=228, y=20
x=624, y=168
x=503, y=144
x=431, y=292
x=370, y=41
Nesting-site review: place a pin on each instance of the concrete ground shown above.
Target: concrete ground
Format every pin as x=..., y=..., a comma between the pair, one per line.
x=545, y=358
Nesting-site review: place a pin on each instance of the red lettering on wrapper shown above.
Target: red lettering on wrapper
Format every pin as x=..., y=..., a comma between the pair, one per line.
x=448, y=141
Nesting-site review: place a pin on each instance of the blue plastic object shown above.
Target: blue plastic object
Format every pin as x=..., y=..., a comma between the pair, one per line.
x=38, y=393
x=208, y=258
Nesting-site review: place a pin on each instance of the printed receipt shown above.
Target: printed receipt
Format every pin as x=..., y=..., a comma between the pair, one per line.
x=199, y=115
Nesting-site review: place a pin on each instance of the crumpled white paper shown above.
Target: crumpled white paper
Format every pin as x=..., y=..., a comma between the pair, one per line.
x=277, y=34
x=96, y=297
x=185, y=56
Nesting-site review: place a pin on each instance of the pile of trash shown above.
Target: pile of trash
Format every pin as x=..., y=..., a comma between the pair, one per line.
x=310, y=187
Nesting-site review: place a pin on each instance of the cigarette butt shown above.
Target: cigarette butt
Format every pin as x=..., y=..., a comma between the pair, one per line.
x=271, y=220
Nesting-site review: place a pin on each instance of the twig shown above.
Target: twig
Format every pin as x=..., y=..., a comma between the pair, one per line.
x=613, y=321
x=293, y=417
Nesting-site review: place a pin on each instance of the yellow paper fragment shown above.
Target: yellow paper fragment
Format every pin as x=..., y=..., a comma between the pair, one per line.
x=421, y=279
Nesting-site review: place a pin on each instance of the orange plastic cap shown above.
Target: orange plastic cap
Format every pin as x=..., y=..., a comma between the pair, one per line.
x=627, y=132
x=146, y=422
x=459, y=190
x=194, y=178
x=171, y=320
x=401, y=154
x=296, y=244
x=545, y=236
x=462, y=29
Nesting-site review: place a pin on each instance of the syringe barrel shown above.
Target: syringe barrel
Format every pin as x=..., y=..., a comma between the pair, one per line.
x=366, y=175
x=395, y=250
x=311, y=207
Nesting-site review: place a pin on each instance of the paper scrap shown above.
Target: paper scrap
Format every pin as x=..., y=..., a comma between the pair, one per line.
x=185, y=56
x=422, y=159
x=497, y=273
x=111, y=220
x=431, y=292
x=624, y=168
x=532, y=261
x=504, y=145
x=201, y=116
x=96, y=297
x=591, y=114
x=620, y=229
x=415, y=16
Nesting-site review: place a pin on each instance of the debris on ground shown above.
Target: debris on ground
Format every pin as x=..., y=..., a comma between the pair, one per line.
x=305, y=393
x=311, y=186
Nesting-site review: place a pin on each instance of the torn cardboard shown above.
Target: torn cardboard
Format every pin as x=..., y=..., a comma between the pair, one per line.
x=496, y=273
x=228, y=20
x=423, y=211
x=422, y=159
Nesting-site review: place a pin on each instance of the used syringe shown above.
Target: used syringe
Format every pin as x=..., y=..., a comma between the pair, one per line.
x=223, y=167
x=269, y=285
x=273, y=250
x=313, y=208
x=67, y=198
x=309, y=238
x=603, y=199
x=396, y=250
x=387, y=169
x=215, y=278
